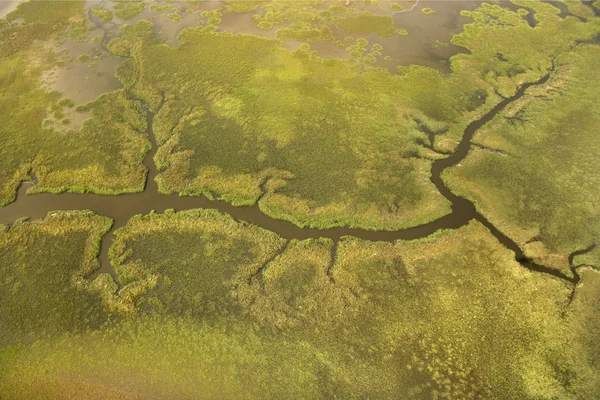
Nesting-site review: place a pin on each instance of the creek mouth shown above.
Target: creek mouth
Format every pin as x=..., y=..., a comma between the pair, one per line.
x=122, y=207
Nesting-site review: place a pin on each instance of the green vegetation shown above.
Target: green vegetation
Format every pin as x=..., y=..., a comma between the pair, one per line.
x=43, y=288
x=213, y=17
x=164, y=9
x=301, y=21
x=396, y=7
x=506, y=51
x=427, y=10
x=299, y=123
x=128, y=9
x=368, y=24
x=115, y=164
x=186, y=263
x=217, y=308
x=545, y=191
x=584, y=332
x=238, y=111
x=102, y=13
x=23, y=104
x=210, y=307
x=83, y=58
x=104, y=156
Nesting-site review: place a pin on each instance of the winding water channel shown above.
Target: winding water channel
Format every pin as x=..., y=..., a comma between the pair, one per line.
x=122, y=207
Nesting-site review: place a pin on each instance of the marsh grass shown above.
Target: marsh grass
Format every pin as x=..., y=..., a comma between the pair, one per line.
x=22, y=61
x=127, y=9
x=304, y=21
x=102, y=13
x=579, y=9
x=103, y=156
x=212, y=307
x=114, y=165
x=294, y=291
x=326, y=137
x=447, y=304
x=546, y=189
x=222, y=307
x=187, y=263
x=43, y=288
x=254, y=113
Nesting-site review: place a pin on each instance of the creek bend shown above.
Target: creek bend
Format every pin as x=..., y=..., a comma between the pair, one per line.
x=122, y=207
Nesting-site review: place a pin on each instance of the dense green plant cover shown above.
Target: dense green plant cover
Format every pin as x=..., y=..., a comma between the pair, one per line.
x=215, y=308
x=193, y=247
x=250, y=122
x=579, y=9
x=43, y=289
x=544, y=189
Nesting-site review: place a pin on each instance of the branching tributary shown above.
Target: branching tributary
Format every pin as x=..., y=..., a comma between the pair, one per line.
x=122, y=207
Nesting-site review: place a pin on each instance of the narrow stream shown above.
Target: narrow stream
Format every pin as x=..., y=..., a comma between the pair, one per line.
x=122, y=207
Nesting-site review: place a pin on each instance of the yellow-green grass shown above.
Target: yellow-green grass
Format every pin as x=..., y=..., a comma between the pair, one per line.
x=127, y=9
x=541, y=10
x=584, y=333
x=457, y=316
x=23, y=104
x=103, y=156
x=219, y=308
x=427, y=10
x=102, y=13
x=186, y=263
x=43, y=265
x=253, y=113
x=545, y=191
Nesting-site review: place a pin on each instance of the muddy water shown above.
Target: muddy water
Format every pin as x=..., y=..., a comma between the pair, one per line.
x=6, y=7
x=244, y=23
x=428, y=39
x=85, y=81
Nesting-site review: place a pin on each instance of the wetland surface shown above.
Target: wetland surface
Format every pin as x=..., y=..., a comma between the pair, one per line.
x=232, y=199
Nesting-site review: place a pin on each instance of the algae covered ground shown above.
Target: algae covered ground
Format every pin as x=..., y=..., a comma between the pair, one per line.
x=305, y=115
